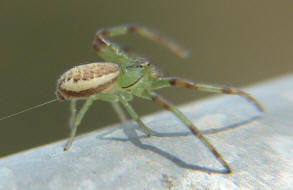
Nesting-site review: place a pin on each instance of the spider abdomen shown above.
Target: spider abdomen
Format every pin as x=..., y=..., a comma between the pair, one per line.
x=85, y=80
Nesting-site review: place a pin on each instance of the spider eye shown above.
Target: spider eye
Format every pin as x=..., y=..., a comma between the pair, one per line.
x=144, y=64
x=138, y=66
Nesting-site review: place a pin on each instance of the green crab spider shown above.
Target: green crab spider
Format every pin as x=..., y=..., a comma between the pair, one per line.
x=123, y=76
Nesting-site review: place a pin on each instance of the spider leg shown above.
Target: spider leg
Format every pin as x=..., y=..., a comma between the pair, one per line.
x=76, y=118
x=164, y=103
x=178, y=82
x=120, y=112
x=113, y=53
x=75, y=123
x=134, y=115
x=73, y=111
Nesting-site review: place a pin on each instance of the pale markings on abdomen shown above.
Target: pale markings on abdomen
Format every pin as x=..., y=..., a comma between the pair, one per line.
x=85, y=80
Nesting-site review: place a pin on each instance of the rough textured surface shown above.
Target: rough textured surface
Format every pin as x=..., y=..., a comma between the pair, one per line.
x=258, y=147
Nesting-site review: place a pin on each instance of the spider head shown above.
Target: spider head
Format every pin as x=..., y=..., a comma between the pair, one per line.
x=130, y=75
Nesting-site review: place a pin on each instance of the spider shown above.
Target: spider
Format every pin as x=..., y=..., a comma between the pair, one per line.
x=124, y=76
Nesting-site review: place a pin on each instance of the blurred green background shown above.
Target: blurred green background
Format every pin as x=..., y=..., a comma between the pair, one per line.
x=231, y=42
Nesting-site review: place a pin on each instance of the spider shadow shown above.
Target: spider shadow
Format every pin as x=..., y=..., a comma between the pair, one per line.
x=134, y=138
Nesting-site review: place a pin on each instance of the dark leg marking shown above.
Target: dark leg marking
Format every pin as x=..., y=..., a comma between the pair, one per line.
x=100, y=42
x=181, y=83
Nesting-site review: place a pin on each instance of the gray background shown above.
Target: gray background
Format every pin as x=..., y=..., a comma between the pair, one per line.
x=231, y=42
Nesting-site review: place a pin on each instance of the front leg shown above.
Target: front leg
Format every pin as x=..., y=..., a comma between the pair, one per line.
x=113, y=53
x=179, y=82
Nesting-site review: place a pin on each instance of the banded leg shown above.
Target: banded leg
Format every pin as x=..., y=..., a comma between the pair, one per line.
x=178, y=82
x=111, y=52
x=134, y=115
x=164, y=103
